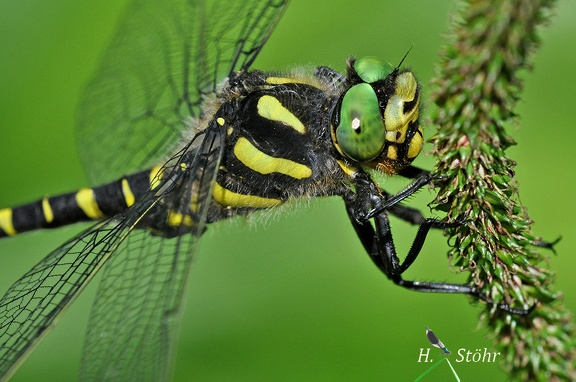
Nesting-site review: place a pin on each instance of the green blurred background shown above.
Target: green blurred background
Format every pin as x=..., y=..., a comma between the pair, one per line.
x=294, y=298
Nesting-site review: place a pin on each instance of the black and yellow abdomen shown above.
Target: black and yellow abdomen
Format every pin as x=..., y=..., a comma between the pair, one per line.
x=82, y=205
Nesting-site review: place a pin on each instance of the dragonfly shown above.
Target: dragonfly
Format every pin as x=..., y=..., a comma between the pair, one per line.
x=179, y=131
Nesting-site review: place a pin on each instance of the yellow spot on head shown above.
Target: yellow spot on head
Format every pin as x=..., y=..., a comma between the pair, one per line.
x=270, y=108
x=416, y=144
x=406, y=86
x=263, y=163
x=392, y=152
x=396, y=136
x=395, y=114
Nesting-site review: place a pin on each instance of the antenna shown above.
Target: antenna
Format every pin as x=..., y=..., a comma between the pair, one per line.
x=403, y=58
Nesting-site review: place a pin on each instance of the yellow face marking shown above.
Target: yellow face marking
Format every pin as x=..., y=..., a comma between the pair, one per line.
x=47, y=210
x=129, y=197
x=392, y=153
x=397, y=136
x=6, y=222
x=156, y=176
x=270, y=108
x=229, y=198
x=263, y=163
x=406, y=86
x=416, y=143
x=86, y=201
x=394, y=116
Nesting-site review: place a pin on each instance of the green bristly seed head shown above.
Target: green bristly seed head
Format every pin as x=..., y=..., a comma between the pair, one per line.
x=476, y=87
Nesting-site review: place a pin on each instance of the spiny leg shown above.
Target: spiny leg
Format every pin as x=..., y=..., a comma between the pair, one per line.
x=383, y=205
x=379, y=244
x=408, y=214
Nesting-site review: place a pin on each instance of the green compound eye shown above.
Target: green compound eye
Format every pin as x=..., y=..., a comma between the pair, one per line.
x=370, y=69
x=360, y=134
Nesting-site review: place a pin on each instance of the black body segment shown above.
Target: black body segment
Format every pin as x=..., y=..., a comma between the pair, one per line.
x=83, y=205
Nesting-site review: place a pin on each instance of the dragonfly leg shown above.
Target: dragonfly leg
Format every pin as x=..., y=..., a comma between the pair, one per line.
x=378, y=242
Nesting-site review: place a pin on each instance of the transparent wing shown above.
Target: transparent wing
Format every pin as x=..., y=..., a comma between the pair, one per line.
x=133, y=325
x=166, y=56
x=34, y=302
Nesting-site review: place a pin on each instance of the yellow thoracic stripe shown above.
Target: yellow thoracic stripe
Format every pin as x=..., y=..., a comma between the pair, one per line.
x=6, y=222
x=233, y=199
x=47, y=210
x=270, y=108
x=272, y=80
x=392, y=152
x=87, y=202
x=263, y=163
x=282, y=80
x=127, y=192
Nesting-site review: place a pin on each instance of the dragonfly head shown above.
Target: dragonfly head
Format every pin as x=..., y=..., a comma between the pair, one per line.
x=376, y=120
